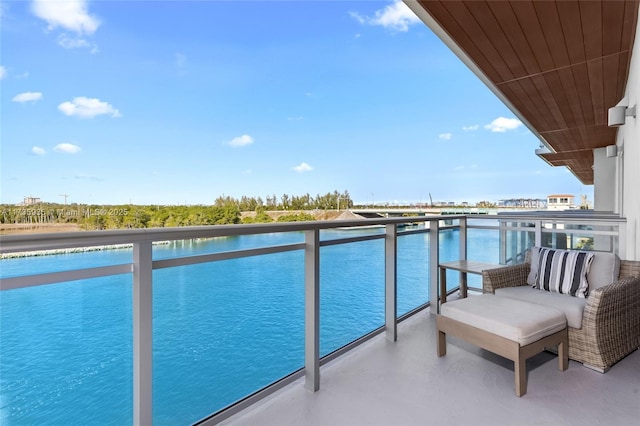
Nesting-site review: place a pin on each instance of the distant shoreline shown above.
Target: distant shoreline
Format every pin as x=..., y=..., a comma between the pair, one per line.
x=16, y=229
x=35, y=228
x=37, y=253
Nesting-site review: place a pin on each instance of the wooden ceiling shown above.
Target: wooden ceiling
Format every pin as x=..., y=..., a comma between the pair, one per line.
x=561, y=64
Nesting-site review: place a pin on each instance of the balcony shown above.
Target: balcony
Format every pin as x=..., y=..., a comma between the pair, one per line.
x=393, y=364
x=404, y=383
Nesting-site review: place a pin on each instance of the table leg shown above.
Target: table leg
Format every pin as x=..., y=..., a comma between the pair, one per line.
x=441, y=344
x=463, y=285
x=443, y=285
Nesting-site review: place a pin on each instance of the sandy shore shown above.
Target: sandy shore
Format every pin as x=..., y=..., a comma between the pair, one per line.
x=32, y=228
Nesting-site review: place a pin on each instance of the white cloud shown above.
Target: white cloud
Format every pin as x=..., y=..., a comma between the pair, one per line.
x=76, y=43
x=3, y=72
x=67, y=148
x=471, y=128
x=38, y=151
x=502, y=124
x=302, y=167
x=294, y=118
x=445, y=136
x=27, y=97
x=396, y=16
x=243, y=140
x=71, y=15
x=88, y=108
x=361, y=19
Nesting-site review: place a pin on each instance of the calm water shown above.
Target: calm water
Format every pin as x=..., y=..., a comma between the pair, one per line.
x=221, y=330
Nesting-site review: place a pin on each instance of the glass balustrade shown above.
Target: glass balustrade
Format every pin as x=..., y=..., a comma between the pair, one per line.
x=228, y=307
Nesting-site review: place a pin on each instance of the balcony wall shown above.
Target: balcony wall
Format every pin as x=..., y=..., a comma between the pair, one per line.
x=627, y=160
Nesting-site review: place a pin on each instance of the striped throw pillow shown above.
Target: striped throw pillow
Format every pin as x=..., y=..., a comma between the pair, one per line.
x=564, y=271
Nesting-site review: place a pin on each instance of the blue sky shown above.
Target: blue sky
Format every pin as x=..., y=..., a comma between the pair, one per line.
x=174, y=102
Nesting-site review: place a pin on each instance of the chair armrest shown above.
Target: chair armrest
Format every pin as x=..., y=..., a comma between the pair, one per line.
x=613, y=314
x=629, y=268
x=508, y=276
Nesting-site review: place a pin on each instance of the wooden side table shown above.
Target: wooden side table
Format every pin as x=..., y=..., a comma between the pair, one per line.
x=465, y=267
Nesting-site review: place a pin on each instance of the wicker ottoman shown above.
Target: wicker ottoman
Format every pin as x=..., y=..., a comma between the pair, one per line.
x=513, y=329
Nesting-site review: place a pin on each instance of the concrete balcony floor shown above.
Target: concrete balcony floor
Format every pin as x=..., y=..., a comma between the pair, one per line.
x=405, y=383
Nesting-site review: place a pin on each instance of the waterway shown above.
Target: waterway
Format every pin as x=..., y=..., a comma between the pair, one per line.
x=222, y=330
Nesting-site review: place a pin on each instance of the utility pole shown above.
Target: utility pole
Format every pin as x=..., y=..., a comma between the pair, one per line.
x=65, y=198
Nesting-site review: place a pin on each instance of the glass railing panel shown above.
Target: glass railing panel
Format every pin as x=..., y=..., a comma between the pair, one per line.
x=483, y=245
x=413, y=279
x=449, y=242
x=67, y=353
x=583, y=240
x=518, y=238
x=351, y=292
x=40, y=262
x=192, y=247
x=332, y=234
x=223, y=330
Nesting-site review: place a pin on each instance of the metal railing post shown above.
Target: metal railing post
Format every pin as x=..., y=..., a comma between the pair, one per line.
x=390, y=282
x=434, y=261
x=538, y=233
x=463, y=238
x=142, y=333
x=312, y=310
x=502, y=255
x=514, y=243
x=622, y=241
x=522, y=245
x=463, y=245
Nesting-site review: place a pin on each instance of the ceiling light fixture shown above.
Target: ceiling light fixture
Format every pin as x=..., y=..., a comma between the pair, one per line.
x=619, y=113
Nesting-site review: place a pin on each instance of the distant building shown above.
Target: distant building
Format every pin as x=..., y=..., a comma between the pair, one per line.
x=560, y=202
x=29, y=201
x=527, y=203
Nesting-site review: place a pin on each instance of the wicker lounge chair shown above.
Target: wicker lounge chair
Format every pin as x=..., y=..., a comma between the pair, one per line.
x=611, y=318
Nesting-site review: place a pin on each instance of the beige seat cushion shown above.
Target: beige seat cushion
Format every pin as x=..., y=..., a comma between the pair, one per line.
x=571, y=307
x=512, y=319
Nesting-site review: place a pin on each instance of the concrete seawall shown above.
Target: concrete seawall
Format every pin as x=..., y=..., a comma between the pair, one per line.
x=71, y=250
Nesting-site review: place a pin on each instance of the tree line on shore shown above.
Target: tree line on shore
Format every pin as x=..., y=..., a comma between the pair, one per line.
x=225, y=210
